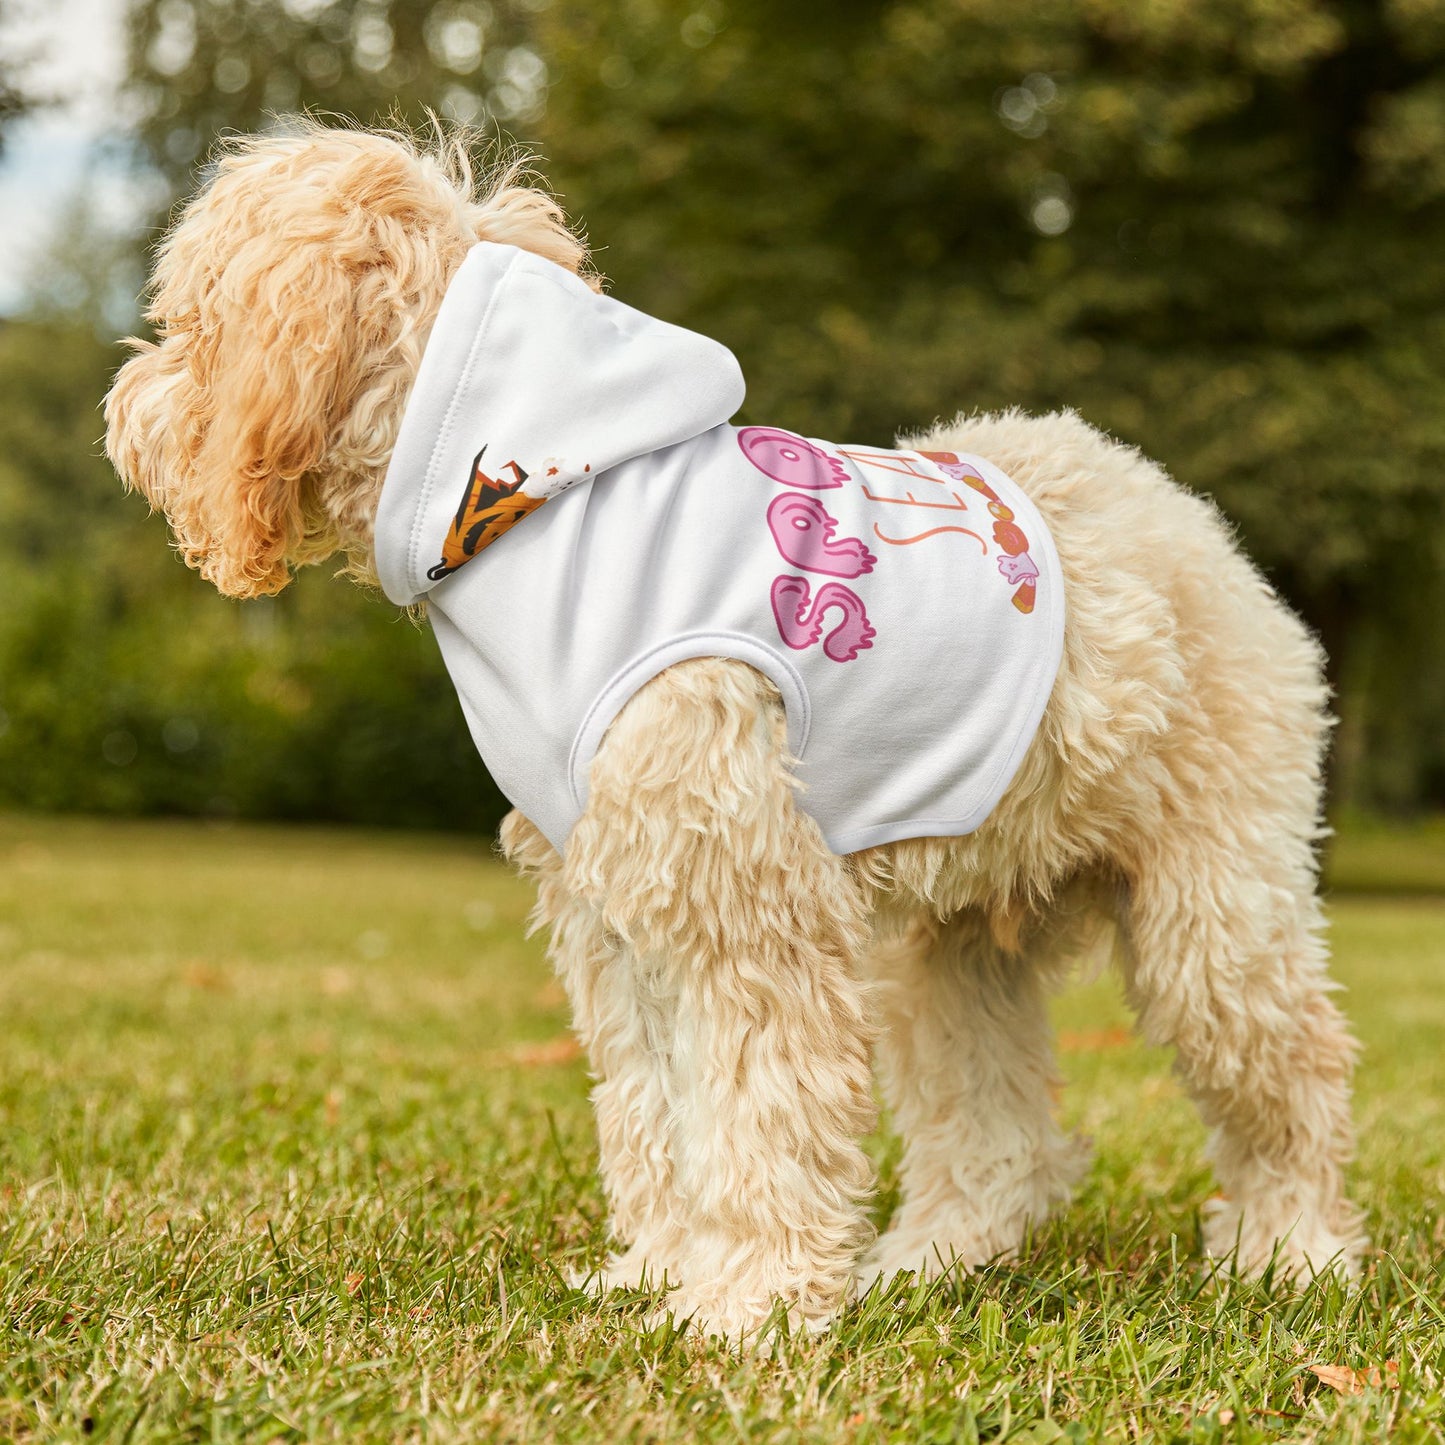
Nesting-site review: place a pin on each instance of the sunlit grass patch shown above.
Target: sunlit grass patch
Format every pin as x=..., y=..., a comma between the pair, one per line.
x=1372, y=856
x=292, y=1145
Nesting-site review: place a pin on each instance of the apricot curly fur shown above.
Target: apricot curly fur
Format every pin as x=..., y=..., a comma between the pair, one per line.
x=729, y=976
x=292, y=300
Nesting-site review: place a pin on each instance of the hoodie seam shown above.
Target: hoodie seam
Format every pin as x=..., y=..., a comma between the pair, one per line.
x=628, y=680
x=439, y=445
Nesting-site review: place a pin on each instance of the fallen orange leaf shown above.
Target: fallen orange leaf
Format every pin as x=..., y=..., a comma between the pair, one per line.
x=202, y=975
x=1092, y=1042
x=551, y=995
x=1347, y=1381
x=555, y=1051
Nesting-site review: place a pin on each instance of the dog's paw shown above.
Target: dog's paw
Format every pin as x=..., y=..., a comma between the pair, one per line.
x=757, y=1325
x=906, y=1253
x=1299, y=1245
x=633, y=1270
x=964, y=1229
x=958, y=1243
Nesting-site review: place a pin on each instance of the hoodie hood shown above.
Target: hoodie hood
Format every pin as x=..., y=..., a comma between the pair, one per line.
x=530, y=384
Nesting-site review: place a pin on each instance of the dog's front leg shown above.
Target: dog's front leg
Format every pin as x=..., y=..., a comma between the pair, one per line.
x=622, y=1014
x=740, y=929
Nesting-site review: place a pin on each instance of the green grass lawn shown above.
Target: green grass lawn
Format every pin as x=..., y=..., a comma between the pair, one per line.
x=292, y=1147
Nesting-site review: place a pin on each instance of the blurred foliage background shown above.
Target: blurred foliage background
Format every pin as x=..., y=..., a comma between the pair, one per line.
x=1214, y=227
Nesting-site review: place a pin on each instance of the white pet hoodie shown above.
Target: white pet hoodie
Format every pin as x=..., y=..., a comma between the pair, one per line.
x=567, y=495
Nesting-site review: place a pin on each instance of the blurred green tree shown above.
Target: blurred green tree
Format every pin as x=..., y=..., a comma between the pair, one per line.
x=202, y=67
x=1218, y=230
x=15, y=97
x=127, y=685
x=1215, y=227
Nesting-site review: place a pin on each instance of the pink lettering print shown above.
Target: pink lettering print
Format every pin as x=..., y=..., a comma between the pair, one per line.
x=800, y=617
x=791, y=460
x=803, y=529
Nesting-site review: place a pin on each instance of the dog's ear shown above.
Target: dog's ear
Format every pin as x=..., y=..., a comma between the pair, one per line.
x=292, y=300
x=276, y=353
x=143, y=416
x=280, y=285
x=220, y=423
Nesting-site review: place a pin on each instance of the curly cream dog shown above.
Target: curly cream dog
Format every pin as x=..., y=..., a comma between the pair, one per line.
x=730, y=975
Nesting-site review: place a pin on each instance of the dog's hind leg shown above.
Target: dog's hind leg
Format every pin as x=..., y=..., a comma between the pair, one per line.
x=1225, y=960
x=966, y=1059
x=1225, y=956
x=694, y=854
